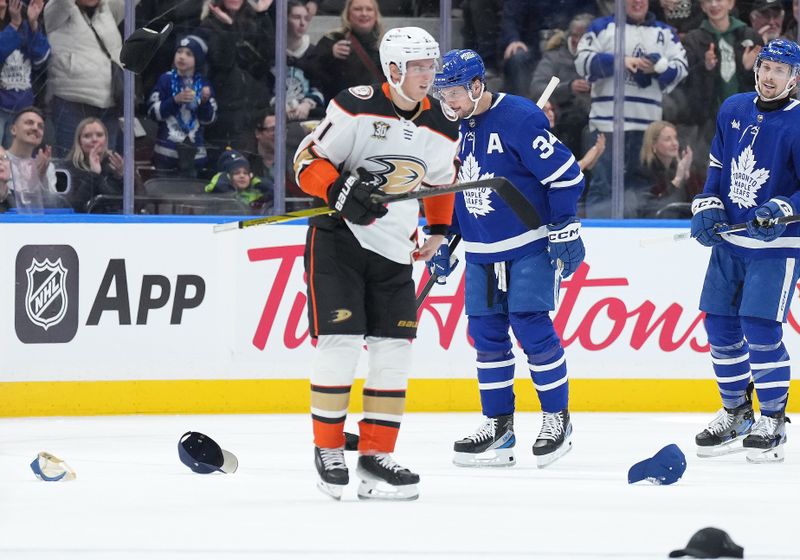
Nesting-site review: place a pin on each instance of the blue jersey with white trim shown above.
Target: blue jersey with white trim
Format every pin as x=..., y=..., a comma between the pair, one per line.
x=513, y=140
x=755, y=156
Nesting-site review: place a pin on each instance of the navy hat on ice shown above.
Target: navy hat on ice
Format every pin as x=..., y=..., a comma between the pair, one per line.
x=710, y=543
x=203, y=455
x=665, y=467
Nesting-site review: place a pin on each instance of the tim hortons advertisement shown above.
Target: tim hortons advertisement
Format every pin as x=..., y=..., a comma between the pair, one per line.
x=177, y=301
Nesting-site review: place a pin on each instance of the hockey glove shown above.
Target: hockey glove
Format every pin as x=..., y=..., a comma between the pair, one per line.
x=350, y=196
x=442, y=263
x=763, y=227
x=566, y=246
x=708, y=214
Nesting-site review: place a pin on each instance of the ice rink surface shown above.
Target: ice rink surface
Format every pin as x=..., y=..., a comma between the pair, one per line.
x=133, y=498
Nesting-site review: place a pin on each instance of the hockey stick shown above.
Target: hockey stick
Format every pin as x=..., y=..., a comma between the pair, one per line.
x=505, y=189
x=269, y=220
x=719, y=229
x=548, y=91
x=434, y=277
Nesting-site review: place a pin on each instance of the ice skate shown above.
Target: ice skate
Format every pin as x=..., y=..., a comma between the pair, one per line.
x=555, y=438
x=492, y=445
x=766, y=440
x=383, y=479
x=726, y=430
x=332, y=471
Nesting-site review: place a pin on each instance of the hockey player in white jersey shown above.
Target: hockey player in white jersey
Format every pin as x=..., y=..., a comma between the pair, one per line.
x=512, y=272
x=382, y=138
x=753, y=177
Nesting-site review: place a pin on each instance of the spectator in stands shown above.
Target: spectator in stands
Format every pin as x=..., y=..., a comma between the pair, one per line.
x=481, y=30
x=655, y=62
x=571, y=97
x=348, y=56
x=721, y=53
x=665, y=173
x=766, y=19
x=523, y=24
x=303, y=97
x=185, y=18
x=683, y=15
x=85, y=44
x=589, y=159
x=23, y=47
x=183, y=103
x=93, y=168
x=6, y=194
x=263, y=164
x=791, y=29
x=241, y=53
x=33, y=176
x=235, y=177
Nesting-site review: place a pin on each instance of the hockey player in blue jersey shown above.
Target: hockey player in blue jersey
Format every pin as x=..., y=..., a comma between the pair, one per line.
x=753, y=177
x=512, y=272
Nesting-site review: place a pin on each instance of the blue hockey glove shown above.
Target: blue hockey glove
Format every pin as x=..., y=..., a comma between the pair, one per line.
x=708, y=213
x=762, y=226
x=566, y=246
x=442, y=263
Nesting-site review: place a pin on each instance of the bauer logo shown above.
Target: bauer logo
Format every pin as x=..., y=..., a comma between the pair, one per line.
x=46, y=294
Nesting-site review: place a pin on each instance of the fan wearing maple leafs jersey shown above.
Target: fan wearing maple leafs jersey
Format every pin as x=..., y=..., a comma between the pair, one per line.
x=512, y=272
x=753, y=177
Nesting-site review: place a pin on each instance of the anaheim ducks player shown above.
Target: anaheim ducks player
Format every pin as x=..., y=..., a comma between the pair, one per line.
x=388, y=138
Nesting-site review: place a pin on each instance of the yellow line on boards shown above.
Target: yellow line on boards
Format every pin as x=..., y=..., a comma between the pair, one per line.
x=262, y=396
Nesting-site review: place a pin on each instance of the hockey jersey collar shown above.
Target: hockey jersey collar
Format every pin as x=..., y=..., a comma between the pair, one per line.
x=424, y=106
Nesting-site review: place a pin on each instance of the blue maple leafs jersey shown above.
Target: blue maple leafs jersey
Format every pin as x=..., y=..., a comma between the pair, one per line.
x=513, y=140
x=755, y=156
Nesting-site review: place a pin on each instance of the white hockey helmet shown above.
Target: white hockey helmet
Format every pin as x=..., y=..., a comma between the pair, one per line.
x=402, y=44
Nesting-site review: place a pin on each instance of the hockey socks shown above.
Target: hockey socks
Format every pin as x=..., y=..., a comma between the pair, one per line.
x=549, y=373
x=328, y=413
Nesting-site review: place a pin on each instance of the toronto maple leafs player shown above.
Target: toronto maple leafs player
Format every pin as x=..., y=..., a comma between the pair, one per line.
x=753, y=177
x=512, y=272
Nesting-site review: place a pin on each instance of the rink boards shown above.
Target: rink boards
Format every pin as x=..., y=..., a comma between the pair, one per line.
x=159, y=317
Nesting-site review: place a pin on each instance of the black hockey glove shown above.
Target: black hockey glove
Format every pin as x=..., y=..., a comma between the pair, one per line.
x=350, y=196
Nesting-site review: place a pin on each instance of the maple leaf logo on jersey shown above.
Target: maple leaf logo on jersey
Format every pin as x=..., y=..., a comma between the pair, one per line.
x=477, y=200
x=746, y=180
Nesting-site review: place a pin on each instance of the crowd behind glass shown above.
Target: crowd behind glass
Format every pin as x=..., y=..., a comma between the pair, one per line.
x=205, y=107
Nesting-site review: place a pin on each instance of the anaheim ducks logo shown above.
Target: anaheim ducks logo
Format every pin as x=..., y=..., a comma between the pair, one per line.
x=398, y=174
x=340, y=315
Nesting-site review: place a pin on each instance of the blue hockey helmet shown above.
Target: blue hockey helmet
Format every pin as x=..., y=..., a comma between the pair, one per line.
x=781, y=50
x=459, y=68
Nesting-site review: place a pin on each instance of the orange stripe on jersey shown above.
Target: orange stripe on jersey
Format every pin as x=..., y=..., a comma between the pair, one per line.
x=316, y=177
x=328, y=435
x=375, y=438
x=311, y=279
x=439, y=209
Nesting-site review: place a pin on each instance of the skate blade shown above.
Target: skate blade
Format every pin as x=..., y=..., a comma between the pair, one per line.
x=772, y=455
x=491, y=458
x=335, y=491
x=372, y=490
x=543, y=461
x=728, y=448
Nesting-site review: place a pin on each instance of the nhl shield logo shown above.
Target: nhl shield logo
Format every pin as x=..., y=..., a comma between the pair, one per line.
x=46, y=294
x=46, y=299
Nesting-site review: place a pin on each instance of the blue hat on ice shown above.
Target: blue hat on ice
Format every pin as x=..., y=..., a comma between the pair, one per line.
x=665, y=467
